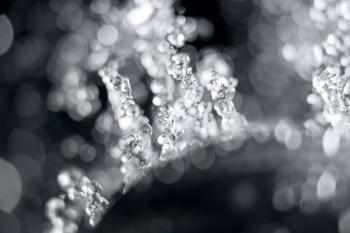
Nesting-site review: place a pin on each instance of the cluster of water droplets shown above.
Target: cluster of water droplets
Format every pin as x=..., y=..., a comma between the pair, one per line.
x=331, y=81
x=81, y=195
x=216, y=75
x=134, y=146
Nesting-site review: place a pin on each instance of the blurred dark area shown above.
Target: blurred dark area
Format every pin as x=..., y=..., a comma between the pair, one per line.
x=220, y=199
x=207, y=202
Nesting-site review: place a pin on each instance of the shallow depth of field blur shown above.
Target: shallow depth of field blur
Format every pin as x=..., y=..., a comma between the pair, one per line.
x=278, y=184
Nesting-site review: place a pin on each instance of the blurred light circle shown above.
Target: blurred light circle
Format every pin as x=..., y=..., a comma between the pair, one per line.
x=326, y=186
x=55, y=101
x=11, y=186
x=6, y=34
x=293, y=139
x=87, y=152
x=100, y=7
x=97, y=59
x=331, y=142
x=289, y=52
x=344, y=222
x=204, y=27
x=71, y=145
x=203, y=159
x=30, y=53
x=23, y=142
x=27, y=101
x=171, y=172
x=111, y=180
x=284, y=199
x=140, y=14
x=107, y=34
x=140, y=93
x=72, y=49
x=26, y=166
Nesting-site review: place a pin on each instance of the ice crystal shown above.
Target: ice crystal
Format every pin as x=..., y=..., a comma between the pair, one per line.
x=81, y=194
x=179, y=67
x=136, y=143
x=190, y=104
x=221, y=87
x=331, y=79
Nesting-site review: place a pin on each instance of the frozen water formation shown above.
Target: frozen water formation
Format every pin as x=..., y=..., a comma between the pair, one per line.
x=331, y=80
x=192, y=107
